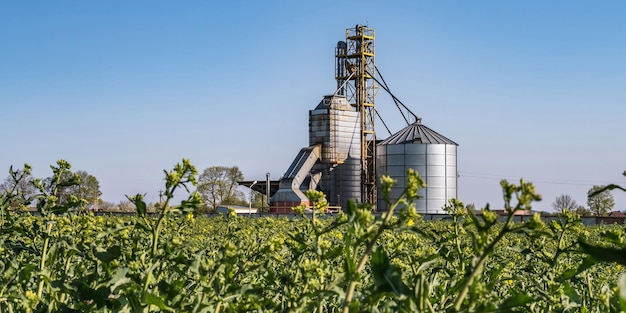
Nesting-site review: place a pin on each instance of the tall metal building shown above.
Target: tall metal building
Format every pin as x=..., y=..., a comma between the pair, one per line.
x=334, y=124
x=355, y=74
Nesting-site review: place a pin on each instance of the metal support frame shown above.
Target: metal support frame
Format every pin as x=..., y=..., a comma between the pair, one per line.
x=354, y=67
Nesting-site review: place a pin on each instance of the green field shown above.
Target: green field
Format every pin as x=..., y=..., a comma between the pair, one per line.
x=96, y=263
x=356, y=261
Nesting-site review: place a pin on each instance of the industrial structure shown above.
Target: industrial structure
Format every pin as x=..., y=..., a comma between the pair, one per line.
x=432, y=155
x=344, y=157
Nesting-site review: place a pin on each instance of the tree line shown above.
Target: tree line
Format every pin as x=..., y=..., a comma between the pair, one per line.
x=80, y=184
x=600, y=202
x=217, y=185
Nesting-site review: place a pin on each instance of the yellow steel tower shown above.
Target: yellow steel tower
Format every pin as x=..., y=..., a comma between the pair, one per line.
x=355, y=68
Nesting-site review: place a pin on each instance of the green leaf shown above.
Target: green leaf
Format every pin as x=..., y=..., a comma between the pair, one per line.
x=474, y=220
x=109, y=255
x=349, y=263
x=568, y=274
x=354, y=306
x=119, y=278
x=141, y=225
x=350, y=266
x=424, y=263
x=59, y=209
x=85, y=292
x=621, y=283
x=604, y=254
x=422, y=232
x=515, y=301
x=110, y=231
x=141, y=208
x=172, y=290
x=140, y=205
x=571, y=293
x=607, y=187
x=613, y=237
x=26, y=272
x=350, y=207
x=387, y=276
x=194, y=268
x=152, y=299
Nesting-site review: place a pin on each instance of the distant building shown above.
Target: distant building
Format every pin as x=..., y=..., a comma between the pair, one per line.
x=519, y=212
x=236, y=208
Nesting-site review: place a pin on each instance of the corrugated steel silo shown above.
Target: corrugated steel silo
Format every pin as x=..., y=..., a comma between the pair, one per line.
x=431, y=154
x=334, y=123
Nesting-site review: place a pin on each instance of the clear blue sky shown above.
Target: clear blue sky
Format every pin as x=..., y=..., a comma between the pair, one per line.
x=125, y=89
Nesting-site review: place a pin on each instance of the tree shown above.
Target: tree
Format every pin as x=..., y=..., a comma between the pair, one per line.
x=88, y=188
x=125, y=206
x=105, y=206
x=218, y=185
x=17, y=190
x=601, y=202
x=582, y=211
x=564, y=202
x=19, y=182
x=259, y=201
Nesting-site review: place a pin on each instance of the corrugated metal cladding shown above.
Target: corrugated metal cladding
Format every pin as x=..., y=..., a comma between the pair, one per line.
x=431, y=154
x=335, y=124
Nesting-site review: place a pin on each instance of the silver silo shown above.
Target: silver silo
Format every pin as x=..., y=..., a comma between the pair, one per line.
x=334, y=123
x=431, y=154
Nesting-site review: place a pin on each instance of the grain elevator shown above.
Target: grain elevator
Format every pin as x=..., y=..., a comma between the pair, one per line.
x=344, y=158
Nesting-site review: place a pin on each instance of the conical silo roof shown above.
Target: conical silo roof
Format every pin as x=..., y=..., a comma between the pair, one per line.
x=417, y=133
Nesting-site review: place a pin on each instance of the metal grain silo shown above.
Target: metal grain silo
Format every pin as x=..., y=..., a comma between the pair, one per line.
x=334, y=123
x=431, y=154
